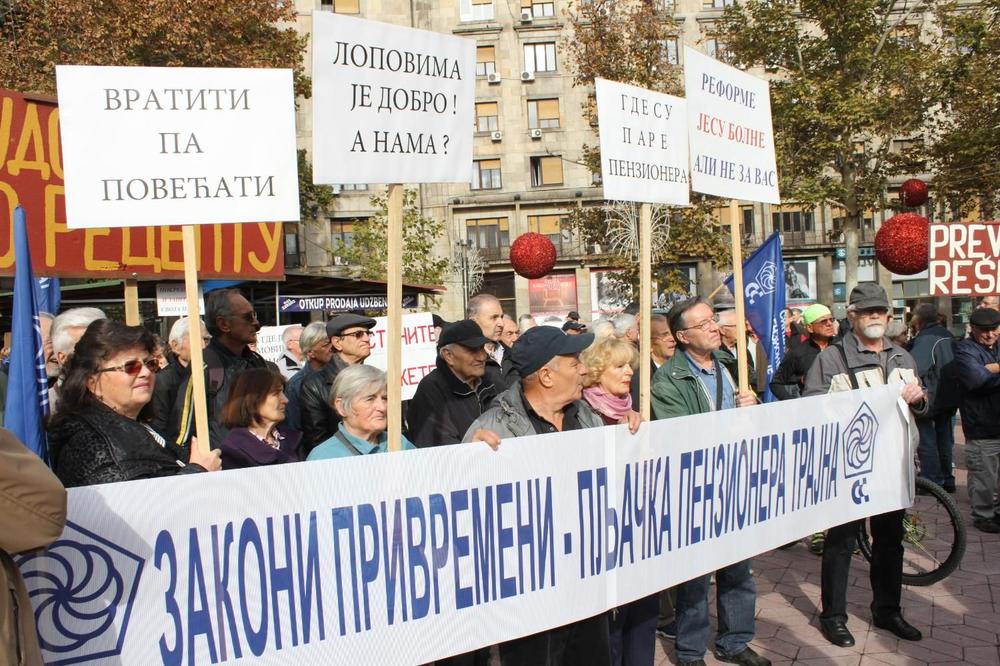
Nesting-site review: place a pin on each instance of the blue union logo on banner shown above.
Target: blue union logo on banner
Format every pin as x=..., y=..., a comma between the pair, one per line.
x=83, y=588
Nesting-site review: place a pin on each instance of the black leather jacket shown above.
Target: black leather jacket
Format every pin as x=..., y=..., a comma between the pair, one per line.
x=97, y=445
x=319, y=418
x=166, y=407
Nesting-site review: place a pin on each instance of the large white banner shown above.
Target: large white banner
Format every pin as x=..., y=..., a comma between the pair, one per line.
x=732, y=140
x=644, y=144
x=419, y=354
x=177, y=145
x=390, y=104
x=406, y=557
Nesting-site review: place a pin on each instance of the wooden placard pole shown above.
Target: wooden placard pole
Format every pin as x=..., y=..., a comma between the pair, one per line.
x=394, y=325
x=132, y=302
x=197, y=357
x=741, y=336
x=645, y=305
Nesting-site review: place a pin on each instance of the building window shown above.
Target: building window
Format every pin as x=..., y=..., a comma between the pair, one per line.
x=539, y=9
x=486, y=60
x=796, y=221
x=670, y=52
x=747, y=221
x=487, y=117
x=551, y=226
x=342, y=6
x=489, y=235
x=715, y=48
x=354, y=187
x=546, y=170
x=292, y=259
x=342, y=231
x=716, y=4
x=476, y=10
x=486, y=175
x=543, y=113
x=540, y=57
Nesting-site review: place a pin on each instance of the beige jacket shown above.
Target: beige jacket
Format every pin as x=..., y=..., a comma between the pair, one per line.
x=32, y=515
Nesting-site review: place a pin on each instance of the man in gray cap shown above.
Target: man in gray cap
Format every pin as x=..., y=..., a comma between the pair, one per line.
x=865, y=357
x=548, y=399
x=350, y=337
x=977, y=367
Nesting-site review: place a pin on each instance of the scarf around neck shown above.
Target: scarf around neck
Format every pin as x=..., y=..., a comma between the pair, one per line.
x=610, y=405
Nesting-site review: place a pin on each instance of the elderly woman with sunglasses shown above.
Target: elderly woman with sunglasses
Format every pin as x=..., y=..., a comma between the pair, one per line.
x=100, y=434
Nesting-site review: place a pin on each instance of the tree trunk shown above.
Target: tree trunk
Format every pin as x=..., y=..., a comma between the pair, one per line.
x=852, y=225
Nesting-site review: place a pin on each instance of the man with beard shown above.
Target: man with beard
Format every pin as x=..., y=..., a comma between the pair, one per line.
x=865, y=357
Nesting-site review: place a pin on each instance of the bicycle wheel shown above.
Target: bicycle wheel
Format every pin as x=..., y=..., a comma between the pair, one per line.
x=933, y=536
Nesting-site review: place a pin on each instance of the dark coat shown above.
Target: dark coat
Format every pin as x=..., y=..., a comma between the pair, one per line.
x=241, y=449
x=633, y=386
x=980, y=404
x=503, y=372
x=790, y=377
x=97, y=445
x=166, y=407
x=443, y=407
x=319, y=418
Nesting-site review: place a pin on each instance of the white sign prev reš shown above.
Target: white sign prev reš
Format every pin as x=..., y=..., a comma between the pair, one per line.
x=147, y=146
x=644, y=144
x=732, y=140
x=390, y=104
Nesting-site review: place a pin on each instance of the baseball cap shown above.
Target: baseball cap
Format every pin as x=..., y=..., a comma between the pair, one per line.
x=814, y=312
x=573, y=325
x=985, y=318
x=466, y=333
x=341, y=322
x=539, y=345
x=868, y=295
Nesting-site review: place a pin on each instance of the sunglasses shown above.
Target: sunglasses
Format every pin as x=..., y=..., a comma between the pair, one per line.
x=247, y=316
x=357, y=335
x=133, y=368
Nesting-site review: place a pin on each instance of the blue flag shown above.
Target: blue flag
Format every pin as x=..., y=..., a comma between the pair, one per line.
x=764, y=302
x=27, y=385
x=49, y=297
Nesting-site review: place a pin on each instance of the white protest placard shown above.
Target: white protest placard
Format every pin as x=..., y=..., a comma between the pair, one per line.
x=419, y=349
x=644, y=144
x=390, y=104
x=177, y=145
x=171, y=301
x=269, y=342
x=730, y=131
x=418, y=555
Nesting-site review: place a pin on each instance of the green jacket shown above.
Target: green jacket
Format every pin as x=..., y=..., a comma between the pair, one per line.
x=676, y=391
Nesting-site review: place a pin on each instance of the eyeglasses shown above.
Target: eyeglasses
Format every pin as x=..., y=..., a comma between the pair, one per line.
x=705, y=325
x=823, y=322
x=133, y=368
x=248, y=317
x=357, y=335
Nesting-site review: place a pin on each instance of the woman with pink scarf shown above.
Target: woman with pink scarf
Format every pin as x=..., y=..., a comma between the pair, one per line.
x=610, y=365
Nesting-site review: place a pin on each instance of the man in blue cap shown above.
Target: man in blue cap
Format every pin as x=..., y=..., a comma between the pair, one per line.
x=548, y=399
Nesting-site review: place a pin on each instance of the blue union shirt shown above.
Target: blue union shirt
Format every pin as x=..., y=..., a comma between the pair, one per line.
x=708, y=379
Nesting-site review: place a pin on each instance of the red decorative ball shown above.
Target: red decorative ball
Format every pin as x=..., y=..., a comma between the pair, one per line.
x=532, y=255
x=902, y=243
x=913, y=193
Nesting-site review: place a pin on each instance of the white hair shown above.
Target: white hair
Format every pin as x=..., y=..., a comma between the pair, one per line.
x=312, y=335
x=285, y=334
x=179, y=330
x=354, y=381
x=602, y=328
x=62, y=341
x=622, y=323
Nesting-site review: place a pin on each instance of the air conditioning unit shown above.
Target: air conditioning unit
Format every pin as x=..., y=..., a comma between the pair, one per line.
x=493, y=77
x=526, y=16
x=535, y=133
x=496, y=136
x=527, y=76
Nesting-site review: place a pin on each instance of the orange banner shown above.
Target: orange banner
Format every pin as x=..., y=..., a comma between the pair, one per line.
x=31, y=175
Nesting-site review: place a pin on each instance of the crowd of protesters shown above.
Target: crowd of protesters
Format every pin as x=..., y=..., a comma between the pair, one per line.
x=123, y=409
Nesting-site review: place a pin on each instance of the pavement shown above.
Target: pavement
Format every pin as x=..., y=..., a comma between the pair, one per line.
x=959, y=616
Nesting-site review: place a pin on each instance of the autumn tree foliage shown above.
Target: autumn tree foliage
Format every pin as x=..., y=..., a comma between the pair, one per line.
x=39, y=34
x=847, y=78
x=965, y=151
x=626, y=41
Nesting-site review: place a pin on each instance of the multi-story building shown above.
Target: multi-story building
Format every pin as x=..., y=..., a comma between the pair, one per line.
x=527, y=174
